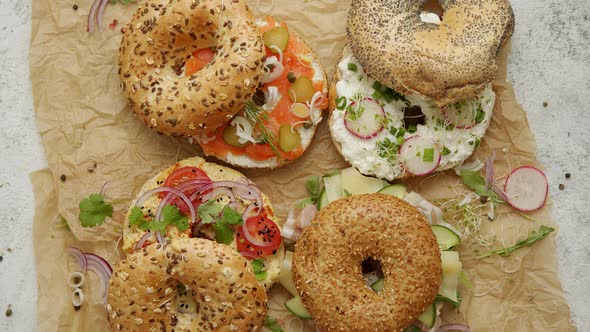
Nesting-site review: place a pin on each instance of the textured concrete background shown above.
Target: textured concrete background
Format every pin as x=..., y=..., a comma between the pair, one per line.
x=550, y=63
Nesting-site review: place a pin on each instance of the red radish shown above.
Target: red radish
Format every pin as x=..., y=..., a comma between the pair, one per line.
x=526, y=188
x=364, y=118
x=419, y=155
x=461, y=116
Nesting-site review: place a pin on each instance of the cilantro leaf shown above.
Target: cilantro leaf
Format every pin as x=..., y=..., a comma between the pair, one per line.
x=136, y=216
x=474, y=181
x=533, y=237
x=272, y=324
x=172, y=216
x=259, y=269
x=224, y=233
x=94, y=211
x=209, y=211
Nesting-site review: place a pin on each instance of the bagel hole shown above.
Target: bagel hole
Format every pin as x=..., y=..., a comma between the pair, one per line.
x=371, y=270
x=433, y=6
x=185, y=300
x=413, y=117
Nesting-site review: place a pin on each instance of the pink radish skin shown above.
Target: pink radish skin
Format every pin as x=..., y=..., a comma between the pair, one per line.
x=527, y=188
x=449, y=118
x=414, y=164
x=358, y=128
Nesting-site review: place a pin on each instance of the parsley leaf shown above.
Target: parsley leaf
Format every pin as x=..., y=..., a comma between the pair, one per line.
x=94, y=211
x=209, y=211
x=259, y=269
x=533, y=237
x=474, y=181
x=272, y=324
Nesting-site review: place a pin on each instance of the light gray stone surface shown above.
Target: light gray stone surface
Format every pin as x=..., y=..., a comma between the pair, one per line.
x=550, y=62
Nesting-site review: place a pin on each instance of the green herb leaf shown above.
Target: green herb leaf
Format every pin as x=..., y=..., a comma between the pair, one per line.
x=94, y=211
x=271, y=324
x=480, y=115
x=428, y=155
x=445, y=151
x=341, y=103
x=474, y=181
x=209, y=211
x=412, y=129
x=533, y=237
x=259, y=269
x=352, y=67
x=172, y=216
x=256, y=115
x=314, y=187
x=347, y=193
x=231, y=216
x=136, y=216
x=224, y=233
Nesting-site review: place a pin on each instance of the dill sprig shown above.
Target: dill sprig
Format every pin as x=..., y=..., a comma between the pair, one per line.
x=255, y=114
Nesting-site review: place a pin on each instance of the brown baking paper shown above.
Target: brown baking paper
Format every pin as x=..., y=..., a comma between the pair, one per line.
x=94, y=143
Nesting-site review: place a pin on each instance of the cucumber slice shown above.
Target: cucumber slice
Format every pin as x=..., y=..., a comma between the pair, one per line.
x=451, y=268
x=397, y=190
x=428, y=317
x=286, y=276
x=333, y=186
x=354, y=183
x=445, y=237
x=377, y=286
x=441, y=298
x=323, y=201
x=295, y=306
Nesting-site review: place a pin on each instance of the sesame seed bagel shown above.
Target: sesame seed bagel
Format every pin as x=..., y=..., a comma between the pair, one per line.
x=155, y=46
x=447, y=62
x=328, y=256
x=186, y=285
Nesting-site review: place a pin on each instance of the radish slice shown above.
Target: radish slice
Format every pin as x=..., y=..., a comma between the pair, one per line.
x=419, y=155
x=364, y=118
x=526, y=188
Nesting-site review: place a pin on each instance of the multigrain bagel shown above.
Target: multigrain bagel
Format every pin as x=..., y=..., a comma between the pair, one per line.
x=447, y=62
x=329, y=253
x=188, y=284
x=155, y=46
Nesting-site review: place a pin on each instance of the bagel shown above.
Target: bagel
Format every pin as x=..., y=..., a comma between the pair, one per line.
x=153, y=51
x=453, y=132
x=187, y=285
x=447, y=62
x=253, y=152
x=230, y=182
x=328, y=256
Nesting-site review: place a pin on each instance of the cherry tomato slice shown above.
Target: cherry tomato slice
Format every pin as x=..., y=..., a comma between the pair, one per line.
x=262, y=229
x=182, y=175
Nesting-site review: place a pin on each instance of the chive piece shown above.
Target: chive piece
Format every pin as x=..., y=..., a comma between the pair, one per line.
x=291, y=77
x=401, y=132
x=428, y=155
x=352, y=67
x=445, y=151
x=377, y=86
x=377, y=95
x=389, y=96
x=412, y=129
x=479, y=116
x=341, y=103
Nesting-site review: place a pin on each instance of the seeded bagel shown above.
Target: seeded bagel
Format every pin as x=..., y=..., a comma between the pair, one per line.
x=155, y=46
x=328, y=256
x=447, y=62
x=189, y=284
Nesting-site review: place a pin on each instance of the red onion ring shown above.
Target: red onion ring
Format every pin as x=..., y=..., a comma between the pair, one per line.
x=142, y=241
x=500, y=192
x=219, y=191
x=175, y=191
x=100, y=13
x=79, y=256
x=249, y=210
x=247, y=254
x=160, y=238
x=103, y=262
x=454, y=327
x=244, y=191
x=489, y=170
x=92, y=15
x=252, y=240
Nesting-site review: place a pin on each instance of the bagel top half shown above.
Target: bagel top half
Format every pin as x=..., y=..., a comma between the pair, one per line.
x=155, y=46
x=447, y=61
x=132, y=233
x=255, y=151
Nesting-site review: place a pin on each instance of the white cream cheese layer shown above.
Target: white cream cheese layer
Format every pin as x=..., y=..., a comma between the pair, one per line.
x=378, y=155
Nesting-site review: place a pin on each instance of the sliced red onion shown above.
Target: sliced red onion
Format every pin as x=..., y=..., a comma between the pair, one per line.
x=175, y=191
x=160, y=238
x=103, y=270
x=306, y=216
x=454, y=327
x=489, y=170
x=92, y=15
x=100, y=13
x=500, y=192
x=290, y=233
x=276, y=71
x=217, y=192
x=79, y=256
x=248, y=254
x=142, y=241
x=244, y=191
x=248, y=211
x=251, y=239
x=103, y=262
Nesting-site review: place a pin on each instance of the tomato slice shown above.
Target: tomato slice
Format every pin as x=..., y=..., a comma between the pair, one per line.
x=262, y=229
x=182, y=175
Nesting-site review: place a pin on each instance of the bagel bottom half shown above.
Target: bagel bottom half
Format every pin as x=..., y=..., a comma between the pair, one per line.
x=328, y=256
x=186, y=285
